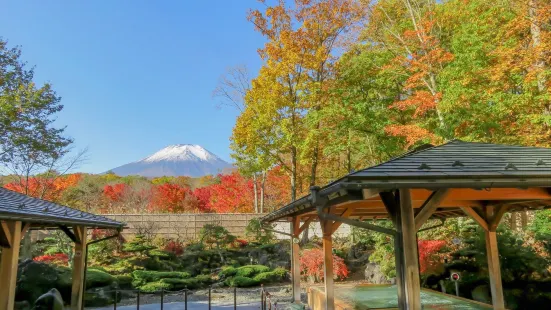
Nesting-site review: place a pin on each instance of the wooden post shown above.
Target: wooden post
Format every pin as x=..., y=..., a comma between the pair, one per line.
x=411, y=261
x=328, y=271
x=8, y=267
x=295, y=259
x=79, y=257
x=494, y=270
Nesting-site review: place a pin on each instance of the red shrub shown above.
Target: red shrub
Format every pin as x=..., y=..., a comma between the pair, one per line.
x=240, y=243
x=174, y=247
x=311, y=264
x=428, y=250
x=58, y=259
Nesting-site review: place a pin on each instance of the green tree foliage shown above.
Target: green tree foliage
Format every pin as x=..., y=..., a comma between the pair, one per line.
x=254, y=232
x=27, y=114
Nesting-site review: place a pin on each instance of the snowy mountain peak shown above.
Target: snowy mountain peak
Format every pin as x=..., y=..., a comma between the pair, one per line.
x=176, y=160
x=182, y=152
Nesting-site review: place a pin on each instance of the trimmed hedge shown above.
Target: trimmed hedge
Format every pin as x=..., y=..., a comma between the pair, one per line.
x=251, y=270
x=98, y=278
x=227, y=272
x=144, y=276
x=204, y=279
x=179, y=284
x=124, y=281
x=155, y=287
x=277, y=275
x=240, y=281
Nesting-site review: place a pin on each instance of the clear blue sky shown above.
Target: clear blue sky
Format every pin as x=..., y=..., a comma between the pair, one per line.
x=135, y=76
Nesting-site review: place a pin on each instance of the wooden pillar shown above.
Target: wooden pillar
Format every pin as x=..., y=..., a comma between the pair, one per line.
x=327, y=242
x=9, y=261
x=399, y=257
x=492, y=253
x=295, y=258
x=79, y=257
x=411, y=261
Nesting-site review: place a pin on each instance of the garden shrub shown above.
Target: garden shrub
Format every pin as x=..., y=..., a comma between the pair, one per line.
x=160, y=254
x=174, y=247
x=124, y=281
x=180, y=284
x=154, y=287
x=239, y=281
x=60, y=259
x=228, y=271
x=251, y=270
x=311, y=265
x=144, y=276
x=204, y=279
x=98, y=278
x=277, y=275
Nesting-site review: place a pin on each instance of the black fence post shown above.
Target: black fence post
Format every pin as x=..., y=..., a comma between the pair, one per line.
x=138, y=300
x=262, y=305
x=209, y=296
x=185, y=298
x=235, y=298
x=115, y=304
x=162, y=297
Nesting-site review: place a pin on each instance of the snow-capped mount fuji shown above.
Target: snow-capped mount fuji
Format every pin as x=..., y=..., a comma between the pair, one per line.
x=176, y=160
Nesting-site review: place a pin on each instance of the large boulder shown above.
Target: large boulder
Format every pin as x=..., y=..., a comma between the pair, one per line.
x=49, y=301
x=374, y=275
x=35, y=279
x=101, y=296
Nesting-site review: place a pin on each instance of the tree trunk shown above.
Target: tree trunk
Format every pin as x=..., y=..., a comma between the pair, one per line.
x=255, y=190
x=293, y=174
x=262, y=187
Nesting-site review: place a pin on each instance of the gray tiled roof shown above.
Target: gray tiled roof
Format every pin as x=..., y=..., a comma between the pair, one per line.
x=464, y=159
x=17, y=206
x=456, y=164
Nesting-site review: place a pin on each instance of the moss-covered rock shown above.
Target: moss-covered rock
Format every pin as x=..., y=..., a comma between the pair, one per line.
x=35, y=279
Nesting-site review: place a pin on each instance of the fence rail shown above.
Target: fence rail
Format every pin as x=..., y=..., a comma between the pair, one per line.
x=187, y=226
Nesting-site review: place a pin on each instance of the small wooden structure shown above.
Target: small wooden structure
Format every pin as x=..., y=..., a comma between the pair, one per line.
x=18, y=214
x=483, y=181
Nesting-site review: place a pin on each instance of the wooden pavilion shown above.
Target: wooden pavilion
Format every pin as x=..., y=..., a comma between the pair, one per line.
x=20, y=213
x=482, y=181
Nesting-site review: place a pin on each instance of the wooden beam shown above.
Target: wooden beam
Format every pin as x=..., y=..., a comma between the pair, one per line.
x=430, y=206
x=305, y=225
x=8, y=264
x=389, y=202
x=411, y=258
x=24, y=229
x=295, y=259
x=370, y=192
x=79, y=263
x=475, y=216
x=345, y=214
x=496, y=218
x=332, y=217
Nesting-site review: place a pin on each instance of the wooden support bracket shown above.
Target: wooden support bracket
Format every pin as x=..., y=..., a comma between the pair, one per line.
x=333, y=217
x=345, y=214
x=477, y=217
x=7, y=233
x=74, y=237
x=430, y=205
x=304, y=226
x=496, y=218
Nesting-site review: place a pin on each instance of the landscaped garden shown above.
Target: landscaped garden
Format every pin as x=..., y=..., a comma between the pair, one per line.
x=218, y=259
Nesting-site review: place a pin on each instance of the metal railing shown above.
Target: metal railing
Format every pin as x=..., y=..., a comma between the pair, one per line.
x=267, y=300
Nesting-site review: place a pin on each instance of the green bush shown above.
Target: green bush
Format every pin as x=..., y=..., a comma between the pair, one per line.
x=227, y=272
x=277, y=275
x=98, y=278
x=160, y=254
x=155, y=287
x=255, y=233
x=180, y=284
x=124, y=281
x=204, y=279
x=251, y=270
x=142, y=276
x=240, y=281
